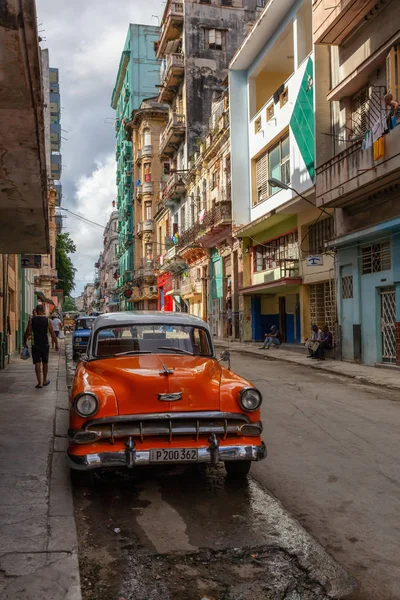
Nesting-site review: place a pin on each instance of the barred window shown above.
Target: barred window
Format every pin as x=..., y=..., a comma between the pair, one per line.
x=347, y=287
x=273, y=163
x=276, y=252
x=319, y=233
x=376, y=258
x=360, y=111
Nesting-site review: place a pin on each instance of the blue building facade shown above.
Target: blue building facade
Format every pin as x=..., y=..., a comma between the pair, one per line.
x=137, y=78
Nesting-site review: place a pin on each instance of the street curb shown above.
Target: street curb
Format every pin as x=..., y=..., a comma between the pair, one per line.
x=319, y=367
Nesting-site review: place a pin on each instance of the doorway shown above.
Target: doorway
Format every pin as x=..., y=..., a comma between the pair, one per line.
x=388, y=324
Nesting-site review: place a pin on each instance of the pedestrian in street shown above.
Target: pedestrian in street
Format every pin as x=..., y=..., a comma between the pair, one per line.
x=273, y=338
x=326, y=343
x=57, y=325
x=39, y=327
x=312, y=342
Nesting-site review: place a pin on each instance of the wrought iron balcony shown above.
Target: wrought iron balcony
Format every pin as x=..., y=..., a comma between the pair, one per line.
x=171, y=77
x=172, y=134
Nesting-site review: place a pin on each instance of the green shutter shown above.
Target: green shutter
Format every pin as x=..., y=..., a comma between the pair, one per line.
x=302, y=121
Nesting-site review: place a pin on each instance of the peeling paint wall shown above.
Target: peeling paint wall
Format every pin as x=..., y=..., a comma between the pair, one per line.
x=206, y=68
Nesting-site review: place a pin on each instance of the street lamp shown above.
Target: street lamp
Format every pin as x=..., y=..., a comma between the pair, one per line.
x=283, y=186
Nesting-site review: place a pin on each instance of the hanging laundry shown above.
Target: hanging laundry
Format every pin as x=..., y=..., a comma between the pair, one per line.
x=379, y=148
x=377, y=130
x=278, y=93
x=367, y=140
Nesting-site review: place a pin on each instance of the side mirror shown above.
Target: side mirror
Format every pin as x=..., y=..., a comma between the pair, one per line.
x=225, y=357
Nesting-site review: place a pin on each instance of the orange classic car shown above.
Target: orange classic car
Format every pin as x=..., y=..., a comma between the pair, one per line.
x=150, y=390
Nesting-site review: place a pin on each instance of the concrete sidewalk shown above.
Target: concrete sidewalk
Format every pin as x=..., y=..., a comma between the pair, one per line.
x=38, y=543
x=383, y=377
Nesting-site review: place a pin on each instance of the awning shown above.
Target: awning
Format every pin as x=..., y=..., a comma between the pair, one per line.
x=173, y=293
x=43, y=298
x=285, y=286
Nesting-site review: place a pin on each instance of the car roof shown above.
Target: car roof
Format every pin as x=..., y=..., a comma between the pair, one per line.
x=147, y=317
x=86, y=317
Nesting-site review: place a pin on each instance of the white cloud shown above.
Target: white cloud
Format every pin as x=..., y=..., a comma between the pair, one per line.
x=85, y=41
x=94, y=194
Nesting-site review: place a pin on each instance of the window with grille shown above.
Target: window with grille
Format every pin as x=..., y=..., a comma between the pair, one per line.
x=376, y=258
x=319, y=233
x=323, y=305
x=276, y=253
x=257, y=125
x=273, y=163
x=347, y=287
x=360, y=111
x=261, y=3
x=284, y=97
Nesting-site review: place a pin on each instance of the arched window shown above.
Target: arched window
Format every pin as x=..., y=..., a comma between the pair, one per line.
x=146, y=137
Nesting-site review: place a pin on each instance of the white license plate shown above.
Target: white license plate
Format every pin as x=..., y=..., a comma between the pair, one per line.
x=174, y=455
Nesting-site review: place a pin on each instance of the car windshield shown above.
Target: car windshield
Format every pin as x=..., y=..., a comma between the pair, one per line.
x=152, y=339
x=84, y=324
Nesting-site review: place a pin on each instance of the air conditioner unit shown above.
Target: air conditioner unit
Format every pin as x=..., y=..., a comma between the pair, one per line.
x=153, y=289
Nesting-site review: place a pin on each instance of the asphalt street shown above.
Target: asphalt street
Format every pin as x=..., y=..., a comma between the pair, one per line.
x=332, y=463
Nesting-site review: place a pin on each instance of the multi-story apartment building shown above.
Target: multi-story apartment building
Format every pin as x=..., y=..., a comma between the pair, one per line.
x=80, y=303
x=137, y=77
x=109, y=266
x=88, y=297
x=46, y=277
x=144, y=130
x=272, y=105
x=196, y=43
x=358, y=168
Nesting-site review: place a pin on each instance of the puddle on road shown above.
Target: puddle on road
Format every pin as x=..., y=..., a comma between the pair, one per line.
x=188, y=533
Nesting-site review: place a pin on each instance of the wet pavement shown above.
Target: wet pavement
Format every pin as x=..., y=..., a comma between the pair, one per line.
x=187, y=533
x=190, y=533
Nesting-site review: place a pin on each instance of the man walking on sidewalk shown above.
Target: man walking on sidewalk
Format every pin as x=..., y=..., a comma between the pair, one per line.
x=39, y=327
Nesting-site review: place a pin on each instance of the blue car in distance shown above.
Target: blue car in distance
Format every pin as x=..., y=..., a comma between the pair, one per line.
x=80, y=337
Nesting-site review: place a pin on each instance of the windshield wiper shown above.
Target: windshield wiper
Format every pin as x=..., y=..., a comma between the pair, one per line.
x=175, y=349
x=122, y=354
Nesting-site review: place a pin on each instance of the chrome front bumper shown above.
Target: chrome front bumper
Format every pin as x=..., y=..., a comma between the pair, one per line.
x=130, y=457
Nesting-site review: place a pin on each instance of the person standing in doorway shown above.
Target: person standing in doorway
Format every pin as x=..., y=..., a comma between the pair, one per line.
x=38, y=328
x=57, y=325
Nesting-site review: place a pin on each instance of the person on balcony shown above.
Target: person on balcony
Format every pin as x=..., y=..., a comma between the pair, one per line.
x=392, y=106
x=273, y=338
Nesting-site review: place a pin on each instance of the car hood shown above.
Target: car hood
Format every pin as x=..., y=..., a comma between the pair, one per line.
x=138, y=381
x=82, y=333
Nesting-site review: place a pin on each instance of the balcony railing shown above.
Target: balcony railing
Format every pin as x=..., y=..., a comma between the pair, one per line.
x=173, y=19
x=211, y=222
x=147, y=151
x=145, y=226
x=148, y=187
x=353, y=173
x=174, y=188
x=173, y=132
x=171, y=76
x=193, y=286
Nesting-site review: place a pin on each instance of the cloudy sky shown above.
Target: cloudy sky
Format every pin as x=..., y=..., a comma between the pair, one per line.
x=85, y=39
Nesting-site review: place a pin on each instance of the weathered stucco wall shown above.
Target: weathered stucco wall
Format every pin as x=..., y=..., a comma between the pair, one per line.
x=207, y=68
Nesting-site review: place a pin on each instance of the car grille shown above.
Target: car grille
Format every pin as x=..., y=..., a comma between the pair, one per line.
x=169, y=425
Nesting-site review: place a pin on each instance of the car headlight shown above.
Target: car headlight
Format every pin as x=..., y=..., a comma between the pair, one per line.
x=250, y=399
x=86, y=404
x=78, y=339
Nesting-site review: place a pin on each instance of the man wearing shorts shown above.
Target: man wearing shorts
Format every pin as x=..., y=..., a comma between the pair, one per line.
x=39, y=327
x=57, y=325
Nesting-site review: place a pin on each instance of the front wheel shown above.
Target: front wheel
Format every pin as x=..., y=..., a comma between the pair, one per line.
x=82, y=478
x=237, y=469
